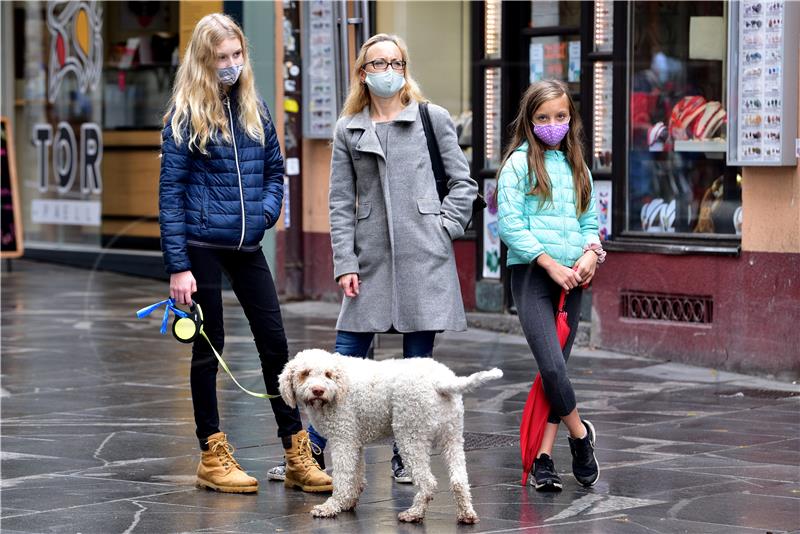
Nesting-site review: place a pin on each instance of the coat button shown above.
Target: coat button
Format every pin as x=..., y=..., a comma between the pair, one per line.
x=358, y=147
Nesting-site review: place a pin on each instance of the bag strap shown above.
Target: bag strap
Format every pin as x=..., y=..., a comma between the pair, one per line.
x=433, y=149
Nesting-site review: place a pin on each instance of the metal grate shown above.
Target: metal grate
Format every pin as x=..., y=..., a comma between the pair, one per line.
x=698, y=309
x=475, y=441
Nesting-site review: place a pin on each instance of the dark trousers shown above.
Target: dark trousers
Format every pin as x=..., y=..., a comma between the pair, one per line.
x=536, y=297
x=252, y=283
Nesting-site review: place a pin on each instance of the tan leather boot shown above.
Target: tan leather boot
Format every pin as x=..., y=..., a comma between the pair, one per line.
x=218, y=470
x=302, y=471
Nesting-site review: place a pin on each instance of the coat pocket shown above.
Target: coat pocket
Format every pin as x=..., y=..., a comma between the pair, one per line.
x=429, y=206
x=363, y=210
x=204, y=209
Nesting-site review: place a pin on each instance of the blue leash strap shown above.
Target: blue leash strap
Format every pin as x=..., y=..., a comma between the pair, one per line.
x=169, y=305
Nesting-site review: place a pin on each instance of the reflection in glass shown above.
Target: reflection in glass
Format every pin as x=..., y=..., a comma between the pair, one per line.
x=602, y=131
x=603, y=25
x=492, y=127
x=493, y=28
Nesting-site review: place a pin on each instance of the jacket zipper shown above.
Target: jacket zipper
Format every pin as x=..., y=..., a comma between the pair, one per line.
x=238, y=172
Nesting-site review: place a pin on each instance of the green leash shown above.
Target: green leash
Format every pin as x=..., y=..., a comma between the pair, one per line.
x=186, y=327
x=227, y=370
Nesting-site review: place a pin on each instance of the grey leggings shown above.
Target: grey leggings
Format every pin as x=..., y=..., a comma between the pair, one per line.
x=536, y=297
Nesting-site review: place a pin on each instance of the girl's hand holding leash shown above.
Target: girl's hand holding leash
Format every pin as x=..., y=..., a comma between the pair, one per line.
x=181, y=287
x=349, y=283
x=563, y=276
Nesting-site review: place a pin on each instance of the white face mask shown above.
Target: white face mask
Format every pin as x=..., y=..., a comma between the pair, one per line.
x=385, y=84
x=229, y=75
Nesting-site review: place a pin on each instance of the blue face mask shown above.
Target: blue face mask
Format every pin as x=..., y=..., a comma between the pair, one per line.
x=229, y=75
x=385, y=84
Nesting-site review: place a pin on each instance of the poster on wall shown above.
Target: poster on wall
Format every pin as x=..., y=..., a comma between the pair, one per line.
x=491, y=232
x=574, y=67
x=602, y=192
x=319, y=75
x=536, y=62
x=760, y=78
x=10, y=219
x=764, y=82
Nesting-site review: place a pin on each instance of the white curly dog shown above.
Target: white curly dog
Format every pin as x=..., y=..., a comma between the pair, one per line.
x=353, y=401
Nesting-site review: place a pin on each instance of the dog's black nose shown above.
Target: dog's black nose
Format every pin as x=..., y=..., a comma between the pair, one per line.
x=317, y=391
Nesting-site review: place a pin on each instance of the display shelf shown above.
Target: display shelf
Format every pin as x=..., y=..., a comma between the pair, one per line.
x=706, y=145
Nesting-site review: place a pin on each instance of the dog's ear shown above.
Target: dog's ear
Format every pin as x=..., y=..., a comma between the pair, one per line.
x=340, y=378
x=286, y=383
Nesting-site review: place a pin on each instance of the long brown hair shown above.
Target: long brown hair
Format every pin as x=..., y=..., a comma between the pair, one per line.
x=196, y=99
x=358, y=97
x=537, y=94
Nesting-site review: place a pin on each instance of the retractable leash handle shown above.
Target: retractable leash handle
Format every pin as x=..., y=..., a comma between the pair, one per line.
x=186, y=327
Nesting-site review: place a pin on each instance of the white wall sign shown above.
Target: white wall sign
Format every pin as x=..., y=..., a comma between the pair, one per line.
x=762, y=89
x=71, y=212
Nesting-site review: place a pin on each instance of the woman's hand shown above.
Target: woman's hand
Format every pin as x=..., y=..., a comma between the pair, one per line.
x=586, y=266
x=349, y=283
x=181, y=287
x=563, y=276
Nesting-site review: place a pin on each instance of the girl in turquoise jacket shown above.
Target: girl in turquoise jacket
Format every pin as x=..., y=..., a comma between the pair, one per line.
x=547, y=219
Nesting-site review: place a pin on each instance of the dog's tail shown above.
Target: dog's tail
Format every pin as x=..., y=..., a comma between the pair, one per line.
x=463, y=384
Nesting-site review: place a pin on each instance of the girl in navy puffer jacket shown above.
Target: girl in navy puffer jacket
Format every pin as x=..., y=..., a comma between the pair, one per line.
x=221, y=187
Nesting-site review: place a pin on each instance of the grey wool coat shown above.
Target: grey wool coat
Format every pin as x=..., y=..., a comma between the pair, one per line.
x=389, y=227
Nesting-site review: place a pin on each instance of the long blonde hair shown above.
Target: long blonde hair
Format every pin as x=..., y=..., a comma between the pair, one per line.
x=572, y=145
x=358, y=97
x=196, y=108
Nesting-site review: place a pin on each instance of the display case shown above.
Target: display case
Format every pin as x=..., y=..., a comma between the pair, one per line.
x=763, y=82
x=679, y=184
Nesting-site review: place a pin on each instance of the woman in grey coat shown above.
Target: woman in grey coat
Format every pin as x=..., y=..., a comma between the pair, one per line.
x=391, y=236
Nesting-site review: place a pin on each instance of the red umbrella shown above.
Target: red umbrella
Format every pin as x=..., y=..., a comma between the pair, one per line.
x=537, y=407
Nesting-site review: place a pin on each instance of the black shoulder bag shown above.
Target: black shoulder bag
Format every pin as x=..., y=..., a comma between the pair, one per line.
x=438, y=165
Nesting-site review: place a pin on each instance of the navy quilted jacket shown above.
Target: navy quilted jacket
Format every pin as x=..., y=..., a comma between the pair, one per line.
x=224, y=199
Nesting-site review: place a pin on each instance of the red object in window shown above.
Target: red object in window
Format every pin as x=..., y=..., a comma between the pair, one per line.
x=60, y=50
x=537, y=407
x=684, y=114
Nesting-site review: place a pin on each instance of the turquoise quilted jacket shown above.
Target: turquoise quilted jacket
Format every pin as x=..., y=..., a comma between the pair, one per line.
x=529, y=229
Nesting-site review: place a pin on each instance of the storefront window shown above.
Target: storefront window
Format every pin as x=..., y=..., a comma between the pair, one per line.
x=678, y=180
x=141, y=63
x=58, y=120
x=92, y=81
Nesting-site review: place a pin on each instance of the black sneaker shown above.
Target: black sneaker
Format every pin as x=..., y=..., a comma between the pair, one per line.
x=584, y=463
x=545, y=477
x=399, y=472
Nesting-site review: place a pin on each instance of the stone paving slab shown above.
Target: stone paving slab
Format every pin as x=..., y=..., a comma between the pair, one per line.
x=97, y=434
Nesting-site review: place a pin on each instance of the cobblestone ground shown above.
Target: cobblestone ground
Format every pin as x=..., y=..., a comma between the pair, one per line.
x=98, y=436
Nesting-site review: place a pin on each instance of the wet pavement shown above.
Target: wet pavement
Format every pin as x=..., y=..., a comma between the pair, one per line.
x=98, y=437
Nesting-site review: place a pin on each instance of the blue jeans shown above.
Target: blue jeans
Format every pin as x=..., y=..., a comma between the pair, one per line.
x=415, y=345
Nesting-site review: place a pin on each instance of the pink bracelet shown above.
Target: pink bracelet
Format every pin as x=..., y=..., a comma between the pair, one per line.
x=597, y=248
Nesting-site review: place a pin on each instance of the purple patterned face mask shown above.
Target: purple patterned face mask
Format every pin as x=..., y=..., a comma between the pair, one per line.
x=551, y=134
